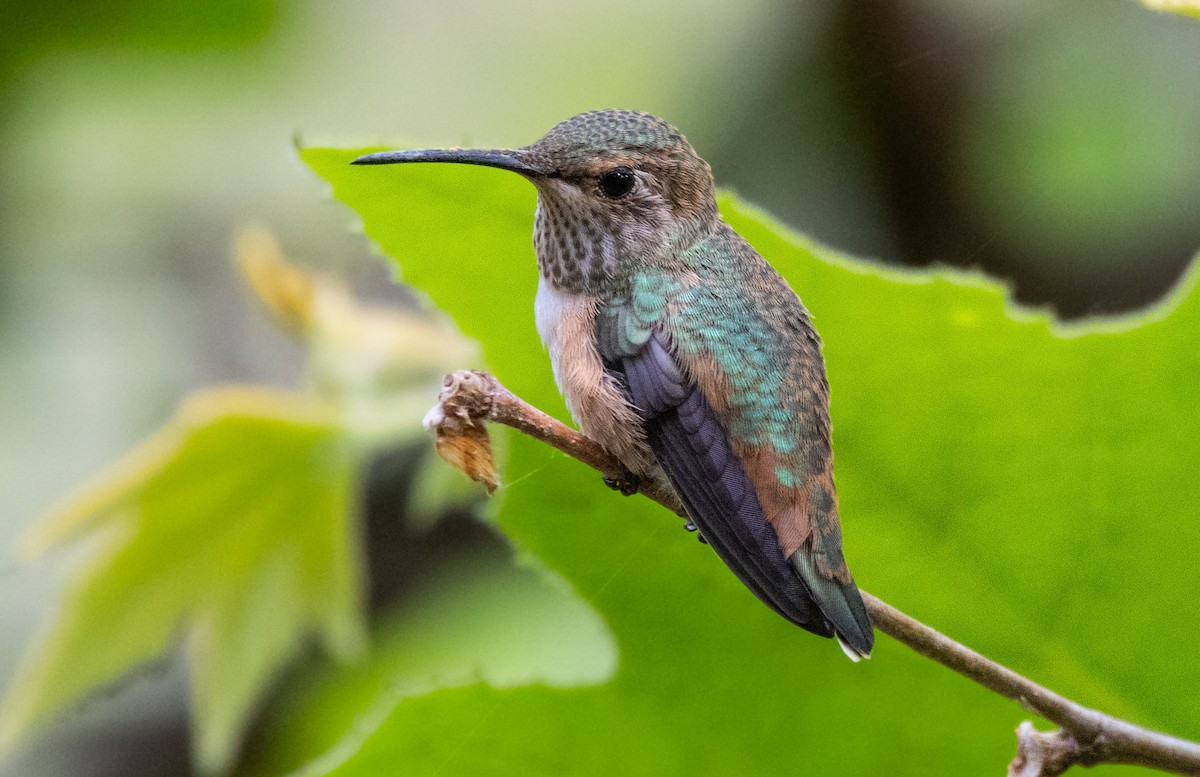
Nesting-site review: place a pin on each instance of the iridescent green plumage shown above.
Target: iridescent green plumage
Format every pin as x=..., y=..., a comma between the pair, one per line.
x=684, y=353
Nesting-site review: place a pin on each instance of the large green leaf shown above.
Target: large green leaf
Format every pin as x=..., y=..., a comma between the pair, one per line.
x=476, y=615
x=231, y=528
x=1028, y=488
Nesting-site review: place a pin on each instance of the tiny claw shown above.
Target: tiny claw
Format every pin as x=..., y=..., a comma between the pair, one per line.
x=689, y=526
x=628, y=484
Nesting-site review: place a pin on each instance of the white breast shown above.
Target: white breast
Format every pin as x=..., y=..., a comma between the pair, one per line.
x=549, y=308
x=567, y=325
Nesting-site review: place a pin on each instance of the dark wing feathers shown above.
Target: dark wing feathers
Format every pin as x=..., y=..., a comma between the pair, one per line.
x=661, y=385
x=686, y=436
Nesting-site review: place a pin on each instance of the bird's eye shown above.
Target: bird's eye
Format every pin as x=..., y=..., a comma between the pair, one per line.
x=617, y=182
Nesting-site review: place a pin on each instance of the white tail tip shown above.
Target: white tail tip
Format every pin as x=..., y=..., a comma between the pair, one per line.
x=850, y=652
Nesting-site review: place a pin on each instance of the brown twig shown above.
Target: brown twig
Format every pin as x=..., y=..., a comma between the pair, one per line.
x=1085, y=736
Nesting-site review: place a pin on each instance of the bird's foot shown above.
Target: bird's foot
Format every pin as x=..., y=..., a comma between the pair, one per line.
x=628, y=484
x=689, y=526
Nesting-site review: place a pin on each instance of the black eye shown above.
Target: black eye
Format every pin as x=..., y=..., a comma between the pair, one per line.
x=617, y=182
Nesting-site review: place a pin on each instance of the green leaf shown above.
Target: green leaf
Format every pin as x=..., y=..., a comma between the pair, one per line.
x=231, y=529
x=1027, y=487
x=477, y=616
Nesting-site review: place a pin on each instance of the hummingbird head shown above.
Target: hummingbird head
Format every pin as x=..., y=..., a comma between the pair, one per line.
x=616, y=190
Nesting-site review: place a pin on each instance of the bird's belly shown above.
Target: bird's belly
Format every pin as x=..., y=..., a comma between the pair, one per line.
x=567, y=325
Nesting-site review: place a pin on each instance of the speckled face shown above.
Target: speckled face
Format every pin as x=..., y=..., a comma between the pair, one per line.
x=619, y=187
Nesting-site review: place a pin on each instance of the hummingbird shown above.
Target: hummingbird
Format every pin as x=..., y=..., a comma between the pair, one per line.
x=681, y=351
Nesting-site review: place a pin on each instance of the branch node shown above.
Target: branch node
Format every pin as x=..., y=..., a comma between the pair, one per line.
x=456, y=423
x=1043, y=753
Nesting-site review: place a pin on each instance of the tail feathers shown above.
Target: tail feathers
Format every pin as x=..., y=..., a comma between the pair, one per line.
x=841, y=605
x=850, y=651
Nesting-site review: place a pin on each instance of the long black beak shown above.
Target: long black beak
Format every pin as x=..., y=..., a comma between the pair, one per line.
x=504, y=159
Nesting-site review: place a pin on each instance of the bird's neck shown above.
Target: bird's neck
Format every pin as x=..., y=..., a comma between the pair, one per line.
x=576, y=252
x=583, y=253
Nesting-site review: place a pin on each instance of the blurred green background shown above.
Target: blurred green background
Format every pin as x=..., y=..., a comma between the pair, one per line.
x=1053, y=145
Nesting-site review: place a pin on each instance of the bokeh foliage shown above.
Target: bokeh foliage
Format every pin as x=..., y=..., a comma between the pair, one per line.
x=233, y=522
x=237, y=533
x=110, y=96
